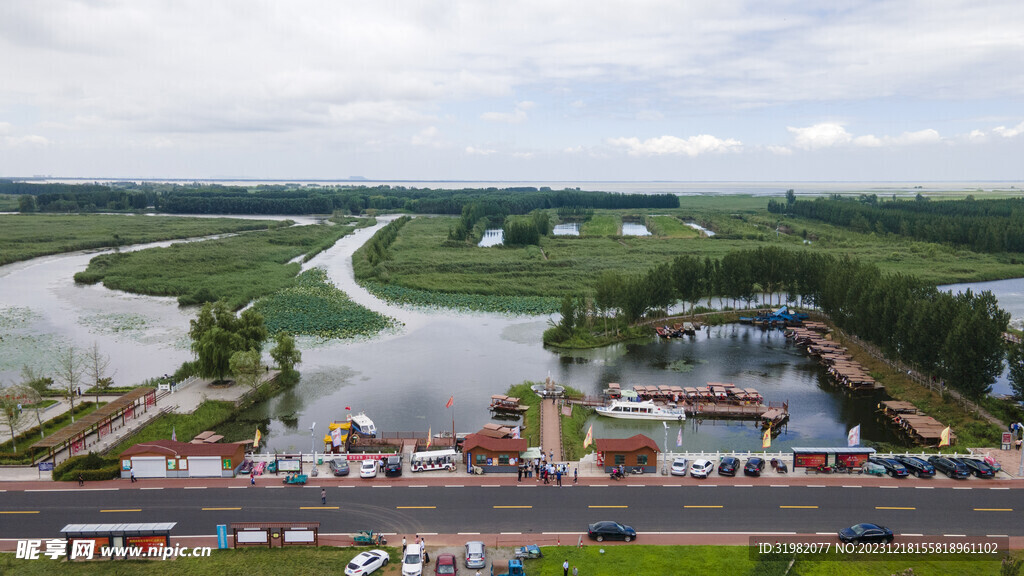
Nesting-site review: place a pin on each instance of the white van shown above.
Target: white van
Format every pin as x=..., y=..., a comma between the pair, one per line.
x=412, y=562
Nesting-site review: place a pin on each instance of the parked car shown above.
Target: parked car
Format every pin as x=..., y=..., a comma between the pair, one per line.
x=368, y=469
x=476, y=554
x=339, y=467
x=754, y=467
x=701, y=468
x=977, y=467
x=393, y=466
x=916, y=466
x=366, y=562
x=445, y=564
x=412, y=562
x=727, y=466
x=950, y=467
x=892, y=467
x=679, y=466
x=608, y=530
x=865, y=533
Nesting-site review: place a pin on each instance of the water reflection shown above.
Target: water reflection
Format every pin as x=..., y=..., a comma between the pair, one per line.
x=634, y=229
x=492, y=237
x=566, y=229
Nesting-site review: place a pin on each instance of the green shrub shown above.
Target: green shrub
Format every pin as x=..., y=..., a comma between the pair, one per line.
x=91, y=466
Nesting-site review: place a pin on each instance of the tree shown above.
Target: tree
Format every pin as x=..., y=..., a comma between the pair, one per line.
x=247, y=367
x=790, y=197
x=26, y=203
x=40, y=385
x=1015, y=358
x=12, y=399
x=606, y=293
x=217, y=334
x=568, y=321
x=70, y=367
x=96, y=366
x=285, y=353
x=214, y=350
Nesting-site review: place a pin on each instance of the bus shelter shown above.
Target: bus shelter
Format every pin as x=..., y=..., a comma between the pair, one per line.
x=851, y=457
x=140, y=535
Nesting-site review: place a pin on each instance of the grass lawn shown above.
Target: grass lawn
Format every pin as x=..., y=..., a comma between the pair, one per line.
x=238, y=269
x=207, y=416
x=602, y=225
x=27, y=236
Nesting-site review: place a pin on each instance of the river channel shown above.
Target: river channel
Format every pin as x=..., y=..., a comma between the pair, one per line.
x=402, y=379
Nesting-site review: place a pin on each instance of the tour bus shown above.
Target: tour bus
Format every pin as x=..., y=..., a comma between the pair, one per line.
x=434, y=460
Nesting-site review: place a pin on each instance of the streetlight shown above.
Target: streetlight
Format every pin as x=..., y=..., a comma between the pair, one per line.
x=664, y=463
x=312, y=441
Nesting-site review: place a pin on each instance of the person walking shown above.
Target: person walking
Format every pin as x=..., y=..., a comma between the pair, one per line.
x=558, y=477
x=575, y=474
x=252, y=478
x=403, y=545
x=565, y=568
x=133, y=476
x=81, y=481
x=323, y=496
x=520, y=477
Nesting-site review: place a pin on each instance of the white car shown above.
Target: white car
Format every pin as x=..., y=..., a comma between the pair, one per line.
x=366, y=562
x=679, y=466
x=701, y=468
x=368, y=469
x=412, y=562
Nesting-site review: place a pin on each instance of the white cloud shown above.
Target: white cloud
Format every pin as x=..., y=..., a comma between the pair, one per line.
x=1009, y=132
x=977, y=136
x=479, y=151
x=517, y=116
x=780, y=150
x=426, y=137
x=822, y=135
x=675, y=146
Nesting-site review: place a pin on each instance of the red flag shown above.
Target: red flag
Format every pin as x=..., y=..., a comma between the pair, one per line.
x=348, y=407
x=451, y=401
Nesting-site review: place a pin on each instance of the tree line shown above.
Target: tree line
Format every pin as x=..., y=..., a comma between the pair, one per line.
x=995, y=225
x=955, y=337
x=294, y=199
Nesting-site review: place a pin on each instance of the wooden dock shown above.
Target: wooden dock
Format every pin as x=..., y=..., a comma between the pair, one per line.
x=840, y=365
x=916, y=425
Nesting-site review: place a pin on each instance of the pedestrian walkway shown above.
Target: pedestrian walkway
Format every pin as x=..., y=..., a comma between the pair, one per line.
x=551, y=429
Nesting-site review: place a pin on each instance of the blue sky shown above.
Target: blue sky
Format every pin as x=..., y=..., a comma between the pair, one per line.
x=636, y=90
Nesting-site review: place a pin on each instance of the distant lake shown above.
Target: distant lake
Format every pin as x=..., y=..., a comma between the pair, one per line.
x=492, y=237
x=567, y=229
x=634, y=229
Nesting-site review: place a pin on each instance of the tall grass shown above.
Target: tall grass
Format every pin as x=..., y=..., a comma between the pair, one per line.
x=207, y=416
x=24, y=236
x=238, y=269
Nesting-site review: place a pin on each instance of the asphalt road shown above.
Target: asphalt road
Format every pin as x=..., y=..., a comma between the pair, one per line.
x=971, y=511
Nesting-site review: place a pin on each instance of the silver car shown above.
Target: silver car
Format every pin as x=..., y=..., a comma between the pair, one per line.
x=679, y=466
x=476, y=554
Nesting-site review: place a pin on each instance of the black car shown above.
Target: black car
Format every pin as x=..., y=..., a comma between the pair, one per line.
x=977, y=467
x=393, y=466
x=892, y=467
x=339, y=467
x=754, y=467
x=916, y=466
x=728, y=466
x=608, y=530
x=865, y=533
x=950, y=467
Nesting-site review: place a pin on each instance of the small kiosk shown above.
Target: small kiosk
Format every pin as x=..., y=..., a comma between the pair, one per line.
x=493, y=454
x=636, y=451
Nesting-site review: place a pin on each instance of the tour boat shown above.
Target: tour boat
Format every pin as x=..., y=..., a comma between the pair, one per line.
x=645, y=410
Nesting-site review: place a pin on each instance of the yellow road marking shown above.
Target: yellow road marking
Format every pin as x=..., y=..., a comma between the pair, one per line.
x=19, y=511
x=318, y=507
x=797, y=506
x=415, y=507
x=702, y=506
x=124, y=510
x=512, y=506
x=895, y=508
x=993, y=509
x=222, y=508
x=607, y=506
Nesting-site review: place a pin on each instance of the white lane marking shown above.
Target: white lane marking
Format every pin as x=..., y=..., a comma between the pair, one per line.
x=564, y=533
x=893, y=487
x=152, y=488
x=267, y=487
x=996, y=536
x=743, y=486
x=845, y=486
x=195, y=487
x=454, y=486
x=671, y=485
x=636, y=485
x=598, y=485
x=381, y=486
x=490, y=485
x=418, y=486
x=909, y=534
x=824, y=533
x=74, y=490
x=723, y=533
x=244, y=487
x=815, y=485
x=925, y=487
x=999, y=488
x=707, y=485
x=955, y=535
x=961, y=487
x=779, y=486
x=427, y=533
x=525, y=486
x=468, y=533
x=509, y=533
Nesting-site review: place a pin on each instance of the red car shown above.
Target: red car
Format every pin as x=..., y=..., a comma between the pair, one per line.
x=445, y=564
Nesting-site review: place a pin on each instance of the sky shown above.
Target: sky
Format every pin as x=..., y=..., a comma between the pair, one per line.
x=638, y=90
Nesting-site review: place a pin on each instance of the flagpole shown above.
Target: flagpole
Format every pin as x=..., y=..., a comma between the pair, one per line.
x=453, y=423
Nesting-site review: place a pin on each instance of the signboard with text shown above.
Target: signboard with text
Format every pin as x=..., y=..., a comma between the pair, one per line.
x=809, y=460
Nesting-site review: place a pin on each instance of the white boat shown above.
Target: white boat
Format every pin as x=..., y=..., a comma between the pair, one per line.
x=646, y=410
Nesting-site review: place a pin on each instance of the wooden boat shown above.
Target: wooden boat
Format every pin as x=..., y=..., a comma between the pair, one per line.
x=502, y=403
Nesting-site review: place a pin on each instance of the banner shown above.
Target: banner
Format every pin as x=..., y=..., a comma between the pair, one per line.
x=336, y=437
x=853, y=437
x=515, y=432
x=944, y=437
x=766, y=440
x=430, y=437
x=174, y=434
x=450, y=401
x=679, y=438
x=256, y=440
x=590, y=437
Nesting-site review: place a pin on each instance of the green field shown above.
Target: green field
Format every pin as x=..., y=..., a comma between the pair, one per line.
x=24, y=236
x=591, y=560
x=238, y=269
x=670, y=227
x=602, y=225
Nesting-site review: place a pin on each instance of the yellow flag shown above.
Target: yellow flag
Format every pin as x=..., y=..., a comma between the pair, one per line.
x=766, y=440
x=590, y=437
x=256, y=441
x=430, y=437
x=944, y=437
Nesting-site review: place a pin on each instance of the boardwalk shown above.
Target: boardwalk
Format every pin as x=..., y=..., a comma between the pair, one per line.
x=550, y=428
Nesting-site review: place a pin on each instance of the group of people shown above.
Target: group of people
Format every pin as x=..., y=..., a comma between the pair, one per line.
x=547, y=472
